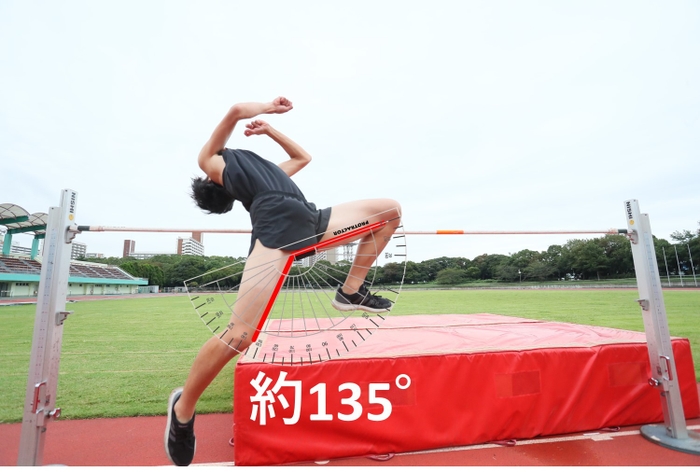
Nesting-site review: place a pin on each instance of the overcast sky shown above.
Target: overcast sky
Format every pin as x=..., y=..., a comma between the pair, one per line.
x=503, y=115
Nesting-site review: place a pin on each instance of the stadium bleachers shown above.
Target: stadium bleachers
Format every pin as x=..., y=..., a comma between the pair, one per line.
x=16, y=265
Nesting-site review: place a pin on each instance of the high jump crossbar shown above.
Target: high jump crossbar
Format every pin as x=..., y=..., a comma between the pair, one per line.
x=40, y=401
x=125, y=229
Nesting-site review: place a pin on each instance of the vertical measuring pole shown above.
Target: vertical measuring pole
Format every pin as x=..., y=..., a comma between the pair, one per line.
x=674, y=433
x=40, y=402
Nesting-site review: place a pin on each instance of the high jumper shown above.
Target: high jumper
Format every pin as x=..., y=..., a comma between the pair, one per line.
x=283, y=221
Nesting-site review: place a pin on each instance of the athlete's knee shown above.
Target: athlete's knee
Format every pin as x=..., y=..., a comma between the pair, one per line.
x=391, y=203
x=394, y=207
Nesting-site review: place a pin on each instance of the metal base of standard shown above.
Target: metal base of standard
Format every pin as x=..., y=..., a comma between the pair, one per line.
x=658, y=434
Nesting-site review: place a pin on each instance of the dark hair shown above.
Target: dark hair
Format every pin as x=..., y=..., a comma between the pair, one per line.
x=210, y=196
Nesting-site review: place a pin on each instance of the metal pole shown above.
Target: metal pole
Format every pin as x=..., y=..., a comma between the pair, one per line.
x=690, y=256
x=42, y=382
x=673, y=433
x=680, y=274
x=668, y=276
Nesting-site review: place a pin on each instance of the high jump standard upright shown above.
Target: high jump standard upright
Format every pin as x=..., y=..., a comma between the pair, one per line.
x=673, y=433
x=42, y=383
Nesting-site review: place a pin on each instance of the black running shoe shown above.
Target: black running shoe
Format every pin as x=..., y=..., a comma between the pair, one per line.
x=360, y=300
x=180, y=442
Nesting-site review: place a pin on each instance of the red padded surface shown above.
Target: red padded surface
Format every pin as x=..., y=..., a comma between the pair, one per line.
x=473, y=379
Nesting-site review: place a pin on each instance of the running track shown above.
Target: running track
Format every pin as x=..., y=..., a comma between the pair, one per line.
x=139, y=442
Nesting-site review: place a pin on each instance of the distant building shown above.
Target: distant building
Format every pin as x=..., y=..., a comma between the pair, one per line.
x=20, y=250
x=14, y=248
x=78, y=250
x=130, y=251
x=185, y=246
x=330, y=255
x=190, y=246
x=148, y=255
x=94, y=255
x=310, y=260
x=129, y=248
x=348, y=252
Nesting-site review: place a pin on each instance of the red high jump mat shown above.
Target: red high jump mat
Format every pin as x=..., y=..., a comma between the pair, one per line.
x=428, y=382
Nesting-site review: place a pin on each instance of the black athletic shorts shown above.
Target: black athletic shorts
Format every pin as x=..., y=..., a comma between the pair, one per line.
x=285, y=221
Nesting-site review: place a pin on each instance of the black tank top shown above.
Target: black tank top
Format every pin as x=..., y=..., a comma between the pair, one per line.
x=247, y=175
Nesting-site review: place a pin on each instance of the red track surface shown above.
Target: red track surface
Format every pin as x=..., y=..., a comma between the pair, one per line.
x=139, y=442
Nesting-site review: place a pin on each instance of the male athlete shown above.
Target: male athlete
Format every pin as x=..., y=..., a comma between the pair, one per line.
x=282, y=221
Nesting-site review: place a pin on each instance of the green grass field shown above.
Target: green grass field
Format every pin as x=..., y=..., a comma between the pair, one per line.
x=122, y=357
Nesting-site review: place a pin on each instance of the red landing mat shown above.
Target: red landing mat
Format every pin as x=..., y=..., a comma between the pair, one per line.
x=427, y=382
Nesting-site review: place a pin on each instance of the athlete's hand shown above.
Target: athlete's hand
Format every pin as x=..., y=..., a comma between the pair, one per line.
x=281, y=105
x=257, y=127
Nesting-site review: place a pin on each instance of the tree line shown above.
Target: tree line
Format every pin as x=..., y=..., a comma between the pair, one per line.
x=608, y=257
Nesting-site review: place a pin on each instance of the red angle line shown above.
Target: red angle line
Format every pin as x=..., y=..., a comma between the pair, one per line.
x=306, y=250
x=273, y=297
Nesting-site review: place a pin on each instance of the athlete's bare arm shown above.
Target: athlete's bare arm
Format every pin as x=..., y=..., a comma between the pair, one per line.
x=298, y=157
x=209, y=161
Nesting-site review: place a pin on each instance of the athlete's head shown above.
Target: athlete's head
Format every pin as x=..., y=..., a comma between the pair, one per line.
x=210, y=196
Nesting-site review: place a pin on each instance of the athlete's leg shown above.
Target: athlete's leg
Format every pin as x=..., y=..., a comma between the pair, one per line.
x=260, y=275
x=371, y=244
